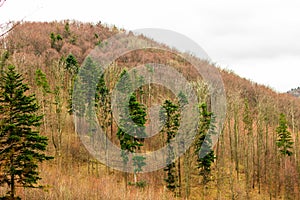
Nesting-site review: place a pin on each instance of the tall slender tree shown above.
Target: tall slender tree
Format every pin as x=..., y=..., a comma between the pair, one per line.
x=169, y=116
x=131, y=131
x=43, y=91
x=21, y=145
x=131, y=136
x=103, y=105
x=248, y=127
x=285, y=146
x=3, y=60
x=203, y=143
x=285, y=140
x=72, y=64
x=183, y=101
x=137, y=112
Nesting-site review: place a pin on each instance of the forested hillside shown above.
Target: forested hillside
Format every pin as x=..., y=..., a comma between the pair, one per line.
x=295, y=92
x=250, y=160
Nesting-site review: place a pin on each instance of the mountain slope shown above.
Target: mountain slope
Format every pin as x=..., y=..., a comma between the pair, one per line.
x=248, y=164
x=295, y=92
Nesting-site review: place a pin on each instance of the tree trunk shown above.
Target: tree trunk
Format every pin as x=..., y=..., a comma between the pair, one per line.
x=258, y=144
x=12, y=178
x=12, y=187
x=179, y=177
x=236, y=141
x=187, y=173
x=135, y=177
x=220, y=163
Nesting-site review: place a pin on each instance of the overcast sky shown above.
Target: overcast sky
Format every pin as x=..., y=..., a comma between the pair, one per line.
x=257, y=39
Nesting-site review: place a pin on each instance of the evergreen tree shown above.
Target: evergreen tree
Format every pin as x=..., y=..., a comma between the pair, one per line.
x=89, y=76
x=138, y=163
x=104, y=112
x=137, y=114
x=124, y=84
x=72, y=64
x=133, y=118
x=285, y=145
x=203, y=143
x=56, y=41
x=21, y=145
x=3, y=60
x=183, y=101
x=84, y=95
x=131, y=136
x=42, y=92
x=41, y=81
x=67, y=31
x=103, y=103
x=102, y=93
x=284, y=141
x=169, y=116
x=131, y=131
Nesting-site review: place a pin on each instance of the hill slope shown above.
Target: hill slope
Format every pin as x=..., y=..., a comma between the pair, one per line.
x=295, y=92
x=248, y=163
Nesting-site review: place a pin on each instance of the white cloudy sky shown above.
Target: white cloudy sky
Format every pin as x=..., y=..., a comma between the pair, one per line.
x=258, y=39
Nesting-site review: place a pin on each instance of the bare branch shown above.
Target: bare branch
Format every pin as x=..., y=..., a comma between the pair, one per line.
x=2, y=2
x=8, y=26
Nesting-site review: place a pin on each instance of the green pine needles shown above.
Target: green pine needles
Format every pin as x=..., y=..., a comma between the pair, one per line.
x=285, y=140
x=170, y=117
x=131, y=131
x=203, y=143
x=21, y=145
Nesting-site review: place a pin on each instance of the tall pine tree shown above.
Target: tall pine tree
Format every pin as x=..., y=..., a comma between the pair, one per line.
x=170, y=117
x=203, y=143
x=131, y=136
x=284, y=141
x=21, y=145
x=285, y=145
x=131, y=131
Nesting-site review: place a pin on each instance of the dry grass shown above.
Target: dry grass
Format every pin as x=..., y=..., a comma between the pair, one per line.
x=79, y=185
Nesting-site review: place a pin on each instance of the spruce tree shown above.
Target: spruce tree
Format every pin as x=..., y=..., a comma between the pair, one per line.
x=183, y=101
x=72, y=64
x=203, y=143
x=131, y=131
x=137, y=112
x=84, y=96
x=131, y=136
x=104, y=112
x=169, y=116
x=133, y=118
x=285, y=145
x=138, y=163
x=42, y=82
x=21, y=145
x=284, y=141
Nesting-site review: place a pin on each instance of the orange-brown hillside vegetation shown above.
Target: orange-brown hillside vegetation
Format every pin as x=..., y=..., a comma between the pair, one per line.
x=248, y=163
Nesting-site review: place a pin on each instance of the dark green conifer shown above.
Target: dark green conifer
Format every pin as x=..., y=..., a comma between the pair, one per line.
x=21, y=145
x=285, y=140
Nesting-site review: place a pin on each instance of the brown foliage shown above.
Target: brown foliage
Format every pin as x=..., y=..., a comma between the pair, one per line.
x=29, y=46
